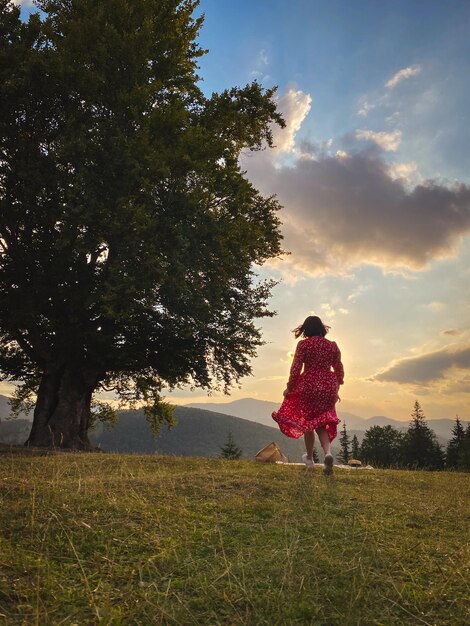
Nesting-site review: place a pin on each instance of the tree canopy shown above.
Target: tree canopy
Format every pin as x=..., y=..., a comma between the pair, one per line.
x=128, y=231
x=381, y=446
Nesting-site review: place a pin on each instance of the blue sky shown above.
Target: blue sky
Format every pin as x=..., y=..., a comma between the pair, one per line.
x=341, y=52
x=376, y=98
x=373, y=172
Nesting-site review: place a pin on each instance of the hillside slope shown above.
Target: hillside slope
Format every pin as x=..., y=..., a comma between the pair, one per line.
x=196, y=433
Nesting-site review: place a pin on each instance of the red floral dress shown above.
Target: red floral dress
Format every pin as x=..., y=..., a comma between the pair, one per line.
x=314, y=392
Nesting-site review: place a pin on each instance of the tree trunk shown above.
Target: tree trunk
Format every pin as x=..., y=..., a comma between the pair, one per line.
x=62, y=412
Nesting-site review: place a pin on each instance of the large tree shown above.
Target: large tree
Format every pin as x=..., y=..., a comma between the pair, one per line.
x=128, y=232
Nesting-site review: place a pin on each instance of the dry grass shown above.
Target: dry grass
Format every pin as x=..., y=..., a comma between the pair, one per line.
x=114, y=539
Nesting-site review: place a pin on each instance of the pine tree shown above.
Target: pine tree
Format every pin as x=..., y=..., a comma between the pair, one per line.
x=463, y=461
x=455, y=444
x=344, y=442
x=230, y=450
x=355, y=447
x=421, y=449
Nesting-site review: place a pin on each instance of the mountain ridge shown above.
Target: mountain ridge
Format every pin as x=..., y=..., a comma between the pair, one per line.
x=215, y=417
x=260, y=411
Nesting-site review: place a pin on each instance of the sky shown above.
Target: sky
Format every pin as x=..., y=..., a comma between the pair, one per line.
x=373, y=173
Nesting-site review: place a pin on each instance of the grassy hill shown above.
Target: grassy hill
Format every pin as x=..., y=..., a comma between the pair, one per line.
x=118, y=539
x=196, y=433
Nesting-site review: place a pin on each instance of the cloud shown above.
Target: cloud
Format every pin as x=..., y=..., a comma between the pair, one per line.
x=371, y=101
x=262, y=57
x=260, y=64
x=426, y=368
x=351, y=207
x=461, y=385
x=294, y=105
x=328, y=310
x=451, y=331
x=408, y=172
x=359, y=291
x=404, y=73
x=348, y=210
x=436, y=306
x=386, y=141
x=366, y=107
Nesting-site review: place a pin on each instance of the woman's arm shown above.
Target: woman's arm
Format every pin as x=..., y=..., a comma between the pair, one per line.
x=338, y=366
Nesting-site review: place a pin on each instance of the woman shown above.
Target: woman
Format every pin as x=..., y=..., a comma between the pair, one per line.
x=310, y=396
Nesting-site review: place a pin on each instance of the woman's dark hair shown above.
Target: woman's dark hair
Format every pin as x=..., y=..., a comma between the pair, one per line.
x=312, y=327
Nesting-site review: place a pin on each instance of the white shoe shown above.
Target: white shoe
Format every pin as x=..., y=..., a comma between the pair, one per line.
x=308, y=462
x=328, y=465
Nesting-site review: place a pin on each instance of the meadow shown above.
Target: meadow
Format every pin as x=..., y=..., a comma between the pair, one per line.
x=123, y=539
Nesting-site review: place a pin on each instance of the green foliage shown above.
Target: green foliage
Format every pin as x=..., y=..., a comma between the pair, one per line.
x=128, y=232
x=345, y=446
x=421, y=449
x=454, y=445
x=23, y=399
x=125, y=539
x=230, y=451
x=102, y=412
x=382, y=446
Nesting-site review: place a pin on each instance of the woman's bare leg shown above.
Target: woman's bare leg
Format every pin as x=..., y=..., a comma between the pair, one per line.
x=324, y=439
x=309, y=438
x=326, y=445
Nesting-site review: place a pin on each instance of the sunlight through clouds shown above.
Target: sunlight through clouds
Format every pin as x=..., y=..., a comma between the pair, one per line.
x=426, y=368
x=340, y=213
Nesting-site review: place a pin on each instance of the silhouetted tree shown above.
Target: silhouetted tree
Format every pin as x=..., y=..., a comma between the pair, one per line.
x=421, y=449
x=463, y=461
x=128, y=231
x=345, y=452
x=455, y=444
x=381, y=446
x=355, y=447
x=230, y=450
